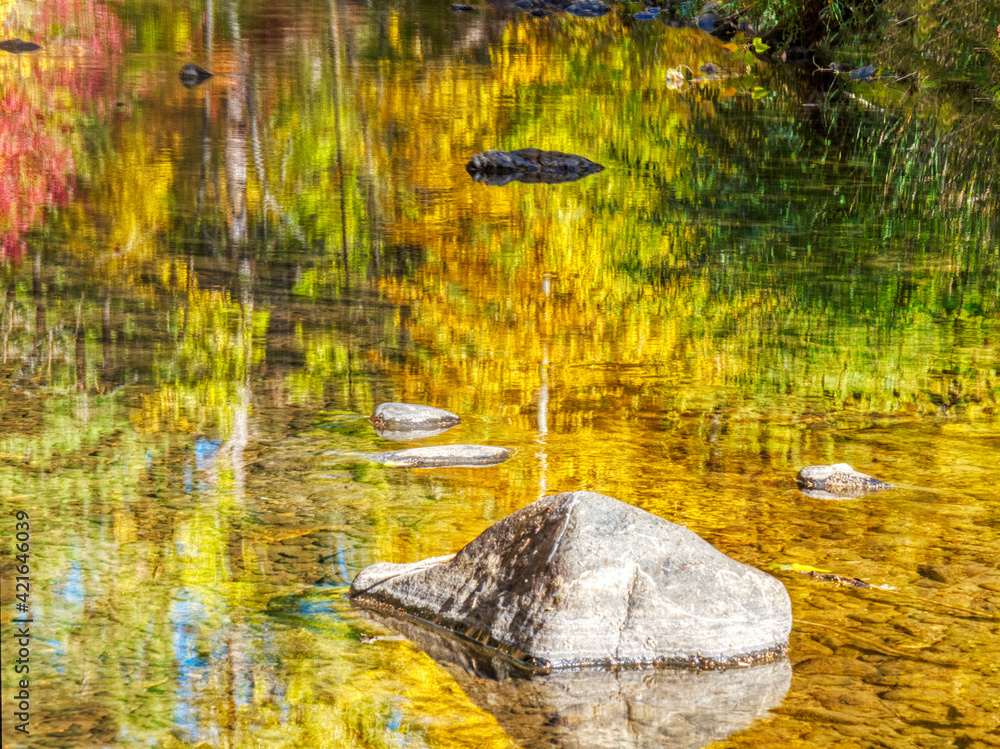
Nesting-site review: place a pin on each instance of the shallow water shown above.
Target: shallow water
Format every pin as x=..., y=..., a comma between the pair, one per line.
x=208, y=290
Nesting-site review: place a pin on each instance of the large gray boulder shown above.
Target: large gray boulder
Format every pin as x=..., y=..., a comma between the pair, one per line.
x=581, y=579
x=837, y=481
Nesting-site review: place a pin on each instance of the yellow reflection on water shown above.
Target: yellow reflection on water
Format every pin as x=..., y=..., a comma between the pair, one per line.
x=249, y=267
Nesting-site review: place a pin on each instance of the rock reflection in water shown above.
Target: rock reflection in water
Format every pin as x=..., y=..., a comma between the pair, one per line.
x=400, y=436
x=668, y=708
x=530, y=178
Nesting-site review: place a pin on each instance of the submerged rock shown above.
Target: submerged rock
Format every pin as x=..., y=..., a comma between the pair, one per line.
x=444, y=456
x=581, y=579
x=461, y=8
x=17, y=46
x=191, y=75
x=796, y=56
x=837, y=481
x=864, y=73
x=712, y=23
x=410, y=417
x=708, y=21
x=529, y=165
x=588, y=9
x=541, y=8
x=582, y=709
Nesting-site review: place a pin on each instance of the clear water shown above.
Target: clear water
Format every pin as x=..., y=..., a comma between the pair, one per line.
x=208, y=289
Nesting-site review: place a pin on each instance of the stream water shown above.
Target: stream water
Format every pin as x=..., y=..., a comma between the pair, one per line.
x=208, y=290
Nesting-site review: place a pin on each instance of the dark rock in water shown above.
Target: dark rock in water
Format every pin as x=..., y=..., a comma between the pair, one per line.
x=708, y=21
x=837, y=481
x=444, y=456
x=17, y=47
x=588, y=9
x=529, y=165
x=864, y=73
x=709, y=68
x=191, y=75
x=712, y=23
x=542, y=8
x=623, y=708
x=461, y=8
x=655, y=10
x=403, y=417
x=796, y=55
x=580, y=579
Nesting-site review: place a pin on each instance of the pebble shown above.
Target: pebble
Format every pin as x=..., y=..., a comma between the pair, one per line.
x=818, y=715
x=912, y=674
x=838, y=665
x=831, y=680
x=298, y=541
x=804, y=649
x=908, y=694
x=874, y=617
x=920, y=711
x=863, y=730
x=927, y=634
x=851, y=699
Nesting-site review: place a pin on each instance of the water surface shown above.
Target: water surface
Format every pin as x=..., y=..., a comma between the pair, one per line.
x=208, y=289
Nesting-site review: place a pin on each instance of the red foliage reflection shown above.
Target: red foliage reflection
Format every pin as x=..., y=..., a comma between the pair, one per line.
x=40, y=109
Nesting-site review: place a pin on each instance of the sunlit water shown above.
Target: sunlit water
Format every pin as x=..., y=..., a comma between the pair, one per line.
x=208, y=290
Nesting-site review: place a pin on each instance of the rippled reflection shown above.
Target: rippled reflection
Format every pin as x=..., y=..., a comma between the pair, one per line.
x=584, y=708
x=207, y=290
